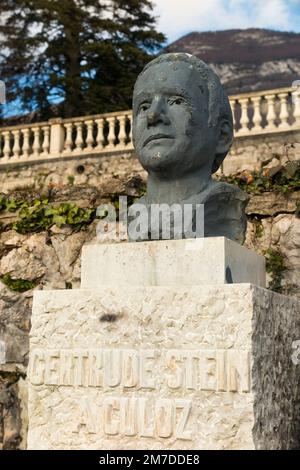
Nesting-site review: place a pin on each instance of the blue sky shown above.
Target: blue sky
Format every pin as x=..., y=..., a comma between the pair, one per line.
x=179, y=17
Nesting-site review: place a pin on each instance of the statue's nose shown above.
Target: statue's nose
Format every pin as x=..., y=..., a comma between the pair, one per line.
x=157, y=114
x=153, y=117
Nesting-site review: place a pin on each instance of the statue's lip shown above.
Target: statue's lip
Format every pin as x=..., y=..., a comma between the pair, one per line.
x=157, y=137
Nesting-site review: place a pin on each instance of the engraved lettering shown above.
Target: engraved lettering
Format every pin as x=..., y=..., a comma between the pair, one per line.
x=66, y=368
x=87, y=417
x=146, y=367
x=95, y=368
x=181, y=431
x=130, y=368
x=221, y=371
x=238, y=371
x=145, y=417
x=80, y=376
x=37, y=367
x=191, y=370
x=174, y=364
x=208, y=370
x=128, y=416
x=51, y=367
x=136, y=417
x=165, y=419
x=112, y=374
x=215, y=370
x=110, y=423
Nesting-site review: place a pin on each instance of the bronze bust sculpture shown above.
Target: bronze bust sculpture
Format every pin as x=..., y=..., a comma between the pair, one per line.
x=182, y=131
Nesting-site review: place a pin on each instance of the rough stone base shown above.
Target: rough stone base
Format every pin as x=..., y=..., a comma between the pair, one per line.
x=208, y=367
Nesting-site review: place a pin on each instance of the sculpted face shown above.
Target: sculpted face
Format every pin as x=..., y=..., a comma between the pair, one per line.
x=170, y=120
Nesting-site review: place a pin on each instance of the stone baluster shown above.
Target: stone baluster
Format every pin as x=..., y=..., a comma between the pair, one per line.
x=296, y=101
x=111, y=132
x=89, y=137
x=6, y=148
x=232, y=105
x=1, y=145
x=122, y=132
x=100, y=136
x=26, y=146
x=16, y=148
x=68, y=142
x=284, y=113
x=244, y=115
x=271, y=115
x=130, y=128
x=57, y=137
x=36, y=142
x=256, y=100
x=79, y=139
x=46, y=140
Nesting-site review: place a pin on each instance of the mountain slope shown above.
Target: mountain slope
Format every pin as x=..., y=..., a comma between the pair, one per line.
x=250, y=59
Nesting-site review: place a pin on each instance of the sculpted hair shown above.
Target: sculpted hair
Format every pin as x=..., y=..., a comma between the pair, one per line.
x=218, y=103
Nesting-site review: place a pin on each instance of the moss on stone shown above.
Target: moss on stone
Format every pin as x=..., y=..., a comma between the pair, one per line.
x=17, y=285
x=275, y=266
x=71, y=180
x=258, y=226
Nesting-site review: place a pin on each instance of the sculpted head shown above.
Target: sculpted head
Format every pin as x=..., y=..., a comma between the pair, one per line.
x=182, y=120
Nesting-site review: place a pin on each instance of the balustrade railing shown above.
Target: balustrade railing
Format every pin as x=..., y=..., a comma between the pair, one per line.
x=266, y=111
x=254, y=113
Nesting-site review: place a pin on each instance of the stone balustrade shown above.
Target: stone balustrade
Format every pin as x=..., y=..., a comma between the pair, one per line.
x=266, y=112
x=254, y=113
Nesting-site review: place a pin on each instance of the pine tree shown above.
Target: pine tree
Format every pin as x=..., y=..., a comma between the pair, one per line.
x=86, y=53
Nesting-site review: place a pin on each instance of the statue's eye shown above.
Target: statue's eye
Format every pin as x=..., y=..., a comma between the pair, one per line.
x=143, y=107
x=176, y=100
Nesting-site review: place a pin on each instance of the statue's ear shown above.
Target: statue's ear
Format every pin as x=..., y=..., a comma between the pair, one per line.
x=225, y=137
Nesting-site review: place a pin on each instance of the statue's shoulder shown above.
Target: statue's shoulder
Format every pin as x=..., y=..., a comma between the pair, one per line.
x=224, y=211
x=221, y=190
x=142, y=200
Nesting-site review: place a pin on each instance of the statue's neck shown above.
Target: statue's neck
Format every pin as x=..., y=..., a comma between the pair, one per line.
x=176, y=189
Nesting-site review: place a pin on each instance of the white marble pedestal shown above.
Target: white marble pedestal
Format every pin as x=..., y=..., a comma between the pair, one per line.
x=164, y=367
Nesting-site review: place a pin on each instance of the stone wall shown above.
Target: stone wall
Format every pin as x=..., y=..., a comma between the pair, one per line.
x=253, y=152
x=90, y=171
x=246, y=153
x=50, y=259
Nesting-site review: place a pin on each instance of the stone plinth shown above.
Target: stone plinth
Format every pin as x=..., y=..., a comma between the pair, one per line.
x=171, y=263
x=185, y=367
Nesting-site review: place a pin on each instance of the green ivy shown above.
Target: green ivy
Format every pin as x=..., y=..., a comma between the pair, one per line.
x=259, y=229
x=259, y=182
x=71, y=180
x=11, y=204
x=275, y=266
x=42, y=216
x=39, y=214
x=17, y=285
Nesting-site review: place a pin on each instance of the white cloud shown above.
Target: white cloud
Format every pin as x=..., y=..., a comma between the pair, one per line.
x=177, y=17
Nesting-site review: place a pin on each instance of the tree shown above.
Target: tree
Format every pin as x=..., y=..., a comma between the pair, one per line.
x=84, y=53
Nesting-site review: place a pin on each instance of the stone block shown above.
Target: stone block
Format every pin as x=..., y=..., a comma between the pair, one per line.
x=215, y=260
x=185, y=367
